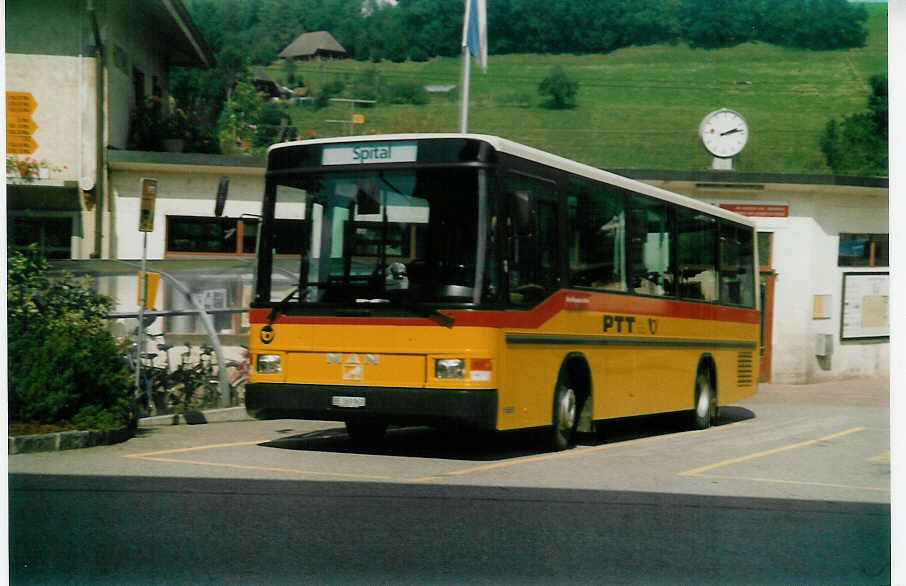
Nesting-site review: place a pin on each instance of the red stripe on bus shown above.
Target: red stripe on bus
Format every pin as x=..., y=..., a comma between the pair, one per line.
x=566, y=300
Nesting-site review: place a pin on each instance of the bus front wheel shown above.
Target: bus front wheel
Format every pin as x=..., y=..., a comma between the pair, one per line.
x=366, y=432
x=705, y=412
x=565, y=417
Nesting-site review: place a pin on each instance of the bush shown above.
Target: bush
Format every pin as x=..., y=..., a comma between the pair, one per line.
x=561, y=89
x=63, y=363
x=330, y=89
x=409, y=92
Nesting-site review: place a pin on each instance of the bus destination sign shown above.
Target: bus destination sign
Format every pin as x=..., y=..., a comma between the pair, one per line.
x=370, y=152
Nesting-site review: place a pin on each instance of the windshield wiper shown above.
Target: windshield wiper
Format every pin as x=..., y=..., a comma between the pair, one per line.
x=281, y=307
x=431, y=312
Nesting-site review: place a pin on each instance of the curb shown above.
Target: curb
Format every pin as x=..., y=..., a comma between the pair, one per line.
x=67, y=440
x=74, y=440
x=198, y=417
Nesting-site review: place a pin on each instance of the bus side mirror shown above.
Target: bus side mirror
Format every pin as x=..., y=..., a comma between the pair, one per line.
x=222, y=189
x=523, y=213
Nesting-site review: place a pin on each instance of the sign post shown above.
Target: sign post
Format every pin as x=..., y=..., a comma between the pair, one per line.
x=145, y=225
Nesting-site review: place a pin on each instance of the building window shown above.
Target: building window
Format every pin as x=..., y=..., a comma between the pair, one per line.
x=229, y=236
x=863, y=250
x=52, y=235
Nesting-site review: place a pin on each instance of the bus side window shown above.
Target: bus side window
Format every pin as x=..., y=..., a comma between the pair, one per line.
x=737, y=273
x=533, y=233
x=696, y=255
x=597, y=236
x=649, y=249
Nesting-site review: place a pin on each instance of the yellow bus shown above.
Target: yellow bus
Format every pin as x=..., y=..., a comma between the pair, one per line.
x=432, y=279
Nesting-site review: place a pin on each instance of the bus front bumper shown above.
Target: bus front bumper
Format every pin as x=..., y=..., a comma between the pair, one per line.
x=399, y=405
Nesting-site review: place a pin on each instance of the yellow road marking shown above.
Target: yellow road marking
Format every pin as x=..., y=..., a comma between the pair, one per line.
x=146, y=455
x=796, y=482
x=697, y=471
x=564, y=454
x=159, y=456
x=881, y=458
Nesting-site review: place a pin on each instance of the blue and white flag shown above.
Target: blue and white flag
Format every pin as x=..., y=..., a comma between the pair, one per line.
x=475, y=31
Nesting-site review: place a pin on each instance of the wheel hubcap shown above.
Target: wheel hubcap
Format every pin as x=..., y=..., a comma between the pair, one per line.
x=567, y=410
x=703, y=408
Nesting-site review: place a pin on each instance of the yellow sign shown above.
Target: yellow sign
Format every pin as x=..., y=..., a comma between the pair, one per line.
x=146, y=213
x=152, y=282
x=19, y=124
x=358, y=118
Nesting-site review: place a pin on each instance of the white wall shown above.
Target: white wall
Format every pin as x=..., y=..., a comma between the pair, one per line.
x=806, y=262
x=178, y=193
x=64, y=89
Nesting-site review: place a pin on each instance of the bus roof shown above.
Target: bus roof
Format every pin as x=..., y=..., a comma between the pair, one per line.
x=542, y=157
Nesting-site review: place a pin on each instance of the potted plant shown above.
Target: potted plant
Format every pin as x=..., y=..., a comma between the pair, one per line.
x=26, y=169
x=176, y=130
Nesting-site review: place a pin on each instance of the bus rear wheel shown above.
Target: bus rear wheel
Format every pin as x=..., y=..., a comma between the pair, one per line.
x=565, y=417
x=366, y=432
x=705, y=411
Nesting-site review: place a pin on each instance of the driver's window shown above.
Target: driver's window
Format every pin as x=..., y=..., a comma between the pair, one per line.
x=534, y=252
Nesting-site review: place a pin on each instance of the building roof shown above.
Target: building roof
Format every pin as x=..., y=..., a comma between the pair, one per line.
x=308, y=44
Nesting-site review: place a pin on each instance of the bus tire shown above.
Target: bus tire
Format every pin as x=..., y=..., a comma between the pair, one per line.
x=705, y=411
x=366, y=432
x=565, y=417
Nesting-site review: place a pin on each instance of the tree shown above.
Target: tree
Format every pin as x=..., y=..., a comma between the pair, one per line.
x=561, y=89
x=858, y=144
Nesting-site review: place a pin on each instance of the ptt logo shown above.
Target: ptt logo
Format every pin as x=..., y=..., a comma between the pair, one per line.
x=627, y=324
x=618, y=323
x=266, y=335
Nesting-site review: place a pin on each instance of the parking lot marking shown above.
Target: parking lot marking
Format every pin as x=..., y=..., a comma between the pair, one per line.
x=698, y=471
x=882, y=458
x=147, y=455
x=163, y=456
x=159, y=456
x=796, y=482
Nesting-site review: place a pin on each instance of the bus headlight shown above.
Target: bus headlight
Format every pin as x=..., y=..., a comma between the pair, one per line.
x=450, y=368
x=268, y=363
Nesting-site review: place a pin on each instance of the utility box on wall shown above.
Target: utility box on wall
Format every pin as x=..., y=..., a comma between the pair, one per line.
x=824, y=344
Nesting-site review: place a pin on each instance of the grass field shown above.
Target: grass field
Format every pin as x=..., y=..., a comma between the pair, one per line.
x=638, y=107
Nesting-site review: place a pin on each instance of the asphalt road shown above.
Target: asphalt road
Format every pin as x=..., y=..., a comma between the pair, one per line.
x=783, y=491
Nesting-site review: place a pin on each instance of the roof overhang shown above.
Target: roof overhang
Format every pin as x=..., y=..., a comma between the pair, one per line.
x=186, y=44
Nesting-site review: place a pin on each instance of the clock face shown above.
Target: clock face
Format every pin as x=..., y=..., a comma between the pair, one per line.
x=724, y=133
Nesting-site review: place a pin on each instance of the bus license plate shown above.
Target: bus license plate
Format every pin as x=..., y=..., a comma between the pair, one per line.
x=339, y=401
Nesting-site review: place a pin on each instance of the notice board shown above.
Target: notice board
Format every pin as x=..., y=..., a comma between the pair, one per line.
x=866, y=298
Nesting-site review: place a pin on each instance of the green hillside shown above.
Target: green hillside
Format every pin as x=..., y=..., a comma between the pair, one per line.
x=637, y=107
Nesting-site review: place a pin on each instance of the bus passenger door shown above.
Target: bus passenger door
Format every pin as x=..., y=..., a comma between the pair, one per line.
x=533, y=271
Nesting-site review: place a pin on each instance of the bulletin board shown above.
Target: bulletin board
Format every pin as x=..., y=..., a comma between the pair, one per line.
x=866, y=298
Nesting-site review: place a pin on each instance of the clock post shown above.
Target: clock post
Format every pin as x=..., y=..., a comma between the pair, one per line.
x=723, y=133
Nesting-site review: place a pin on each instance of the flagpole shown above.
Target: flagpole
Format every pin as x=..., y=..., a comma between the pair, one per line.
x=466, y=75
x=466, y=71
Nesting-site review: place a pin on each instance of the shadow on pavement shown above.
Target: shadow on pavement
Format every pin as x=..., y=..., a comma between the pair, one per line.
x=471, y=445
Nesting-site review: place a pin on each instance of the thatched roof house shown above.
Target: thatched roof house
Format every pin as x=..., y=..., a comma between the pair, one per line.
x=316, y=45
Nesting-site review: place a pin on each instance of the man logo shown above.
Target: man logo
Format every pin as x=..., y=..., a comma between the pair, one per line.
x=267, y=334
x=353, y=367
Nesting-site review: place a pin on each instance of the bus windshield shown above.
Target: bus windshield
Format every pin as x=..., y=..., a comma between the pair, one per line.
x=378, y=237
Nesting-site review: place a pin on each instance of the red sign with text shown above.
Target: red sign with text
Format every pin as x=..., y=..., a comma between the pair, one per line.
x=761, y=210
